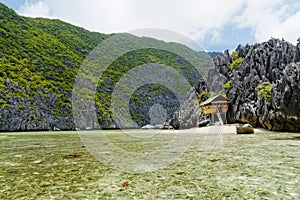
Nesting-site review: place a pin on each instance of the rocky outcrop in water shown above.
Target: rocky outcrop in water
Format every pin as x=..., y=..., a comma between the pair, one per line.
x=262, y=83
x=244, y=129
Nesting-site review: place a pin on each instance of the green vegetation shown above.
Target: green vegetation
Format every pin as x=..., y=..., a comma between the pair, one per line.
x=40, y=59
x=234, y=54
x=264, y=90
x=236, y=63
x=42, y=55
x=203, y=96
x=227, y=85
x=130, y=60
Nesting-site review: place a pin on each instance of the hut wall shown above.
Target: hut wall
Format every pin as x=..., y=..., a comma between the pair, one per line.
x=209, y=109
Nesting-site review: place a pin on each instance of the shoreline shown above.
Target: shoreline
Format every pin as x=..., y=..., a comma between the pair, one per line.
x=228, y=128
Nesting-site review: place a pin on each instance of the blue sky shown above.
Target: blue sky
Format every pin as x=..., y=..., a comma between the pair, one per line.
x=214, y=25
x=14, y=4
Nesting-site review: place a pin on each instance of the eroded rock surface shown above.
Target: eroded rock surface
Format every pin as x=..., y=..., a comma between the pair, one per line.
x=264, y=88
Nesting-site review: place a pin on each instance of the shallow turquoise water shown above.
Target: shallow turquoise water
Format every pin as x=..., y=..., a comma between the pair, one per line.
x=259, y=166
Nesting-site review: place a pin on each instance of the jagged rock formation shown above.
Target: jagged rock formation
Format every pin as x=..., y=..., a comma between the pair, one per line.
x=263, y=86
x=284, y=111
x=189, y=112
x=37, y=113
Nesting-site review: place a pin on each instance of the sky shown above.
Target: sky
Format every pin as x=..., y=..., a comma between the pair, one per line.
x=215, y=25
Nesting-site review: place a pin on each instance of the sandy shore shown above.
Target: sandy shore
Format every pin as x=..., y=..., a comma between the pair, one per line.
x=230, y=128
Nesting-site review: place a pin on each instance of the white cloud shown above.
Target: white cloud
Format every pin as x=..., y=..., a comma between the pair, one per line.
x=289, y=28
x=270, y=18
x=194, y=18
x=200, y=20
x=38, y=9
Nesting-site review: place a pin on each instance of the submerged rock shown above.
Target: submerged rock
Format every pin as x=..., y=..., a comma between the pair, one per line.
x=37, y=162
x=74, y=155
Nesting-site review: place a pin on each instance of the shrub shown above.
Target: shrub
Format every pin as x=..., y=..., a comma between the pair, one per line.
x=234, y=54
x=236, y=63
x=264, y=90
x=21, y=107
x=227, y=85
x=203, y=96
x=2, y=102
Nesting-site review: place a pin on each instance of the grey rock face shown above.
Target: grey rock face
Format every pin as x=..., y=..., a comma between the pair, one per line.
x=276, y=63
x=285, y=105
x=37, y=113
x=189, y=112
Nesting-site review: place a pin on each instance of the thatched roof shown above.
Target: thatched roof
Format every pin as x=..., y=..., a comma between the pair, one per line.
x=215, y=98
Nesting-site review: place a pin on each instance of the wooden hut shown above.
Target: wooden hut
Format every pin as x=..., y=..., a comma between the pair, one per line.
x=216, y=108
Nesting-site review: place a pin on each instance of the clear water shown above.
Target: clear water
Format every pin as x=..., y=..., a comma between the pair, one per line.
x=265, y=165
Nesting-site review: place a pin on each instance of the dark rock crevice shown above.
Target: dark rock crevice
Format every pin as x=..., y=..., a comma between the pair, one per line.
x=275, y=62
